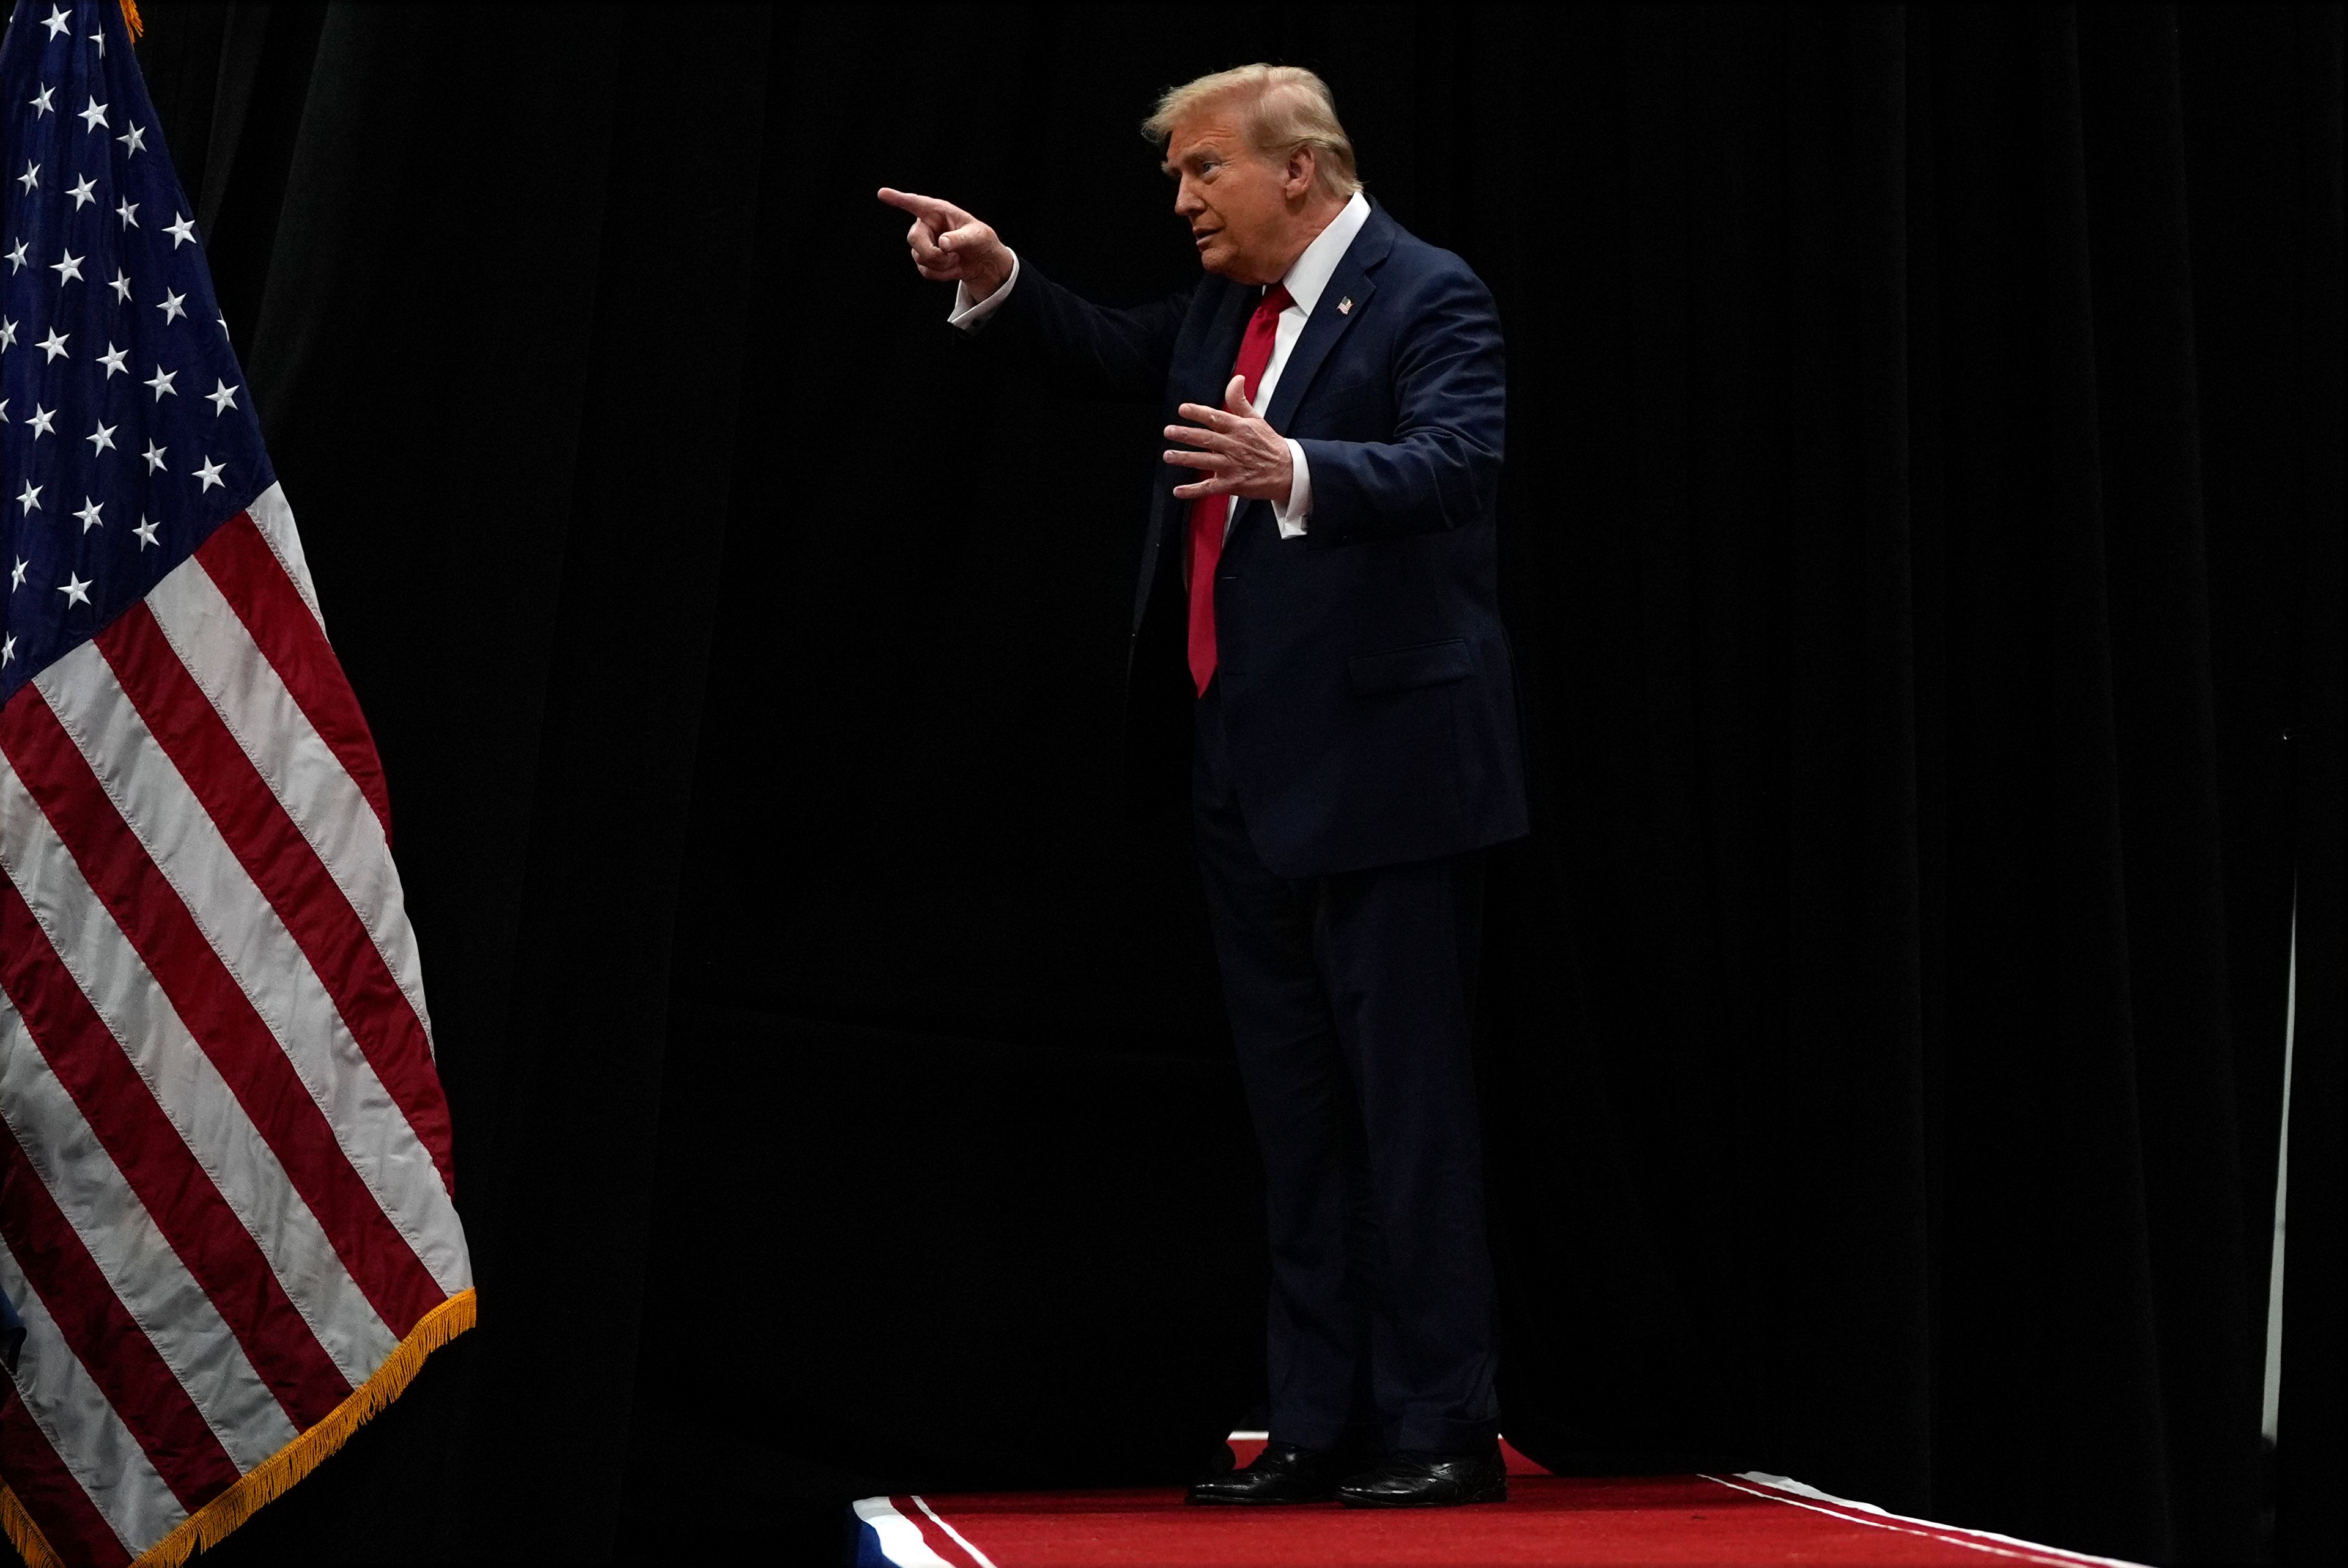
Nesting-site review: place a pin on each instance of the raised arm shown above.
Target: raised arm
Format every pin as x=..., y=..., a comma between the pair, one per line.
x=1081, y=347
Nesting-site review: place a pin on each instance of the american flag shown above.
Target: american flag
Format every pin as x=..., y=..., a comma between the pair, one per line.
x=226, y=1218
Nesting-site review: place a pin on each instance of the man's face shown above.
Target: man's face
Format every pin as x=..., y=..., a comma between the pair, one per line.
x=1235, y=200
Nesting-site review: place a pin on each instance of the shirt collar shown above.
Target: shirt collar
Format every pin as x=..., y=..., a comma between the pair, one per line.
x=1312, y=270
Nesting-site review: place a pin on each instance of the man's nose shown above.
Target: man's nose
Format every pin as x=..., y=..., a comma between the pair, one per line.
x=1187, y=202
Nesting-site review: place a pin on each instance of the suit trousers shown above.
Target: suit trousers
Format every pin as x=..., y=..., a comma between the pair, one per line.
x=1351, y=997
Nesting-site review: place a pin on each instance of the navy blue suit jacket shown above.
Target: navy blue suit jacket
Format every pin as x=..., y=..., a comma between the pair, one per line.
x=1368, y=690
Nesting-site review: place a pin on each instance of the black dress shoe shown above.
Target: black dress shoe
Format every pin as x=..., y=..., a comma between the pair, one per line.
x=1282, y=1473
x=1413, y=1480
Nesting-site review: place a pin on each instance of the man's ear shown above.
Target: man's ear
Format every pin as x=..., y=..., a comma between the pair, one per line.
x=1301, y=168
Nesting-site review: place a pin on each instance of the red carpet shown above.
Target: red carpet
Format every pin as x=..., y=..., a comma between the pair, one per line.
x=1668, y=1522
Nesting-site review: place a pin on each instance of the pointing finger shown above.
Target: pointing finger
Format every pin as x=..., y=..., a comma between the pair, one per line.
x=1212, y=418
x=928, y=208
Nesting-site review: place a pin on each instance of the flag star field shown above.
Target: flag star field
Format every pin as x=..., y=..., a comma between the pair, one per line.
x=126, y=428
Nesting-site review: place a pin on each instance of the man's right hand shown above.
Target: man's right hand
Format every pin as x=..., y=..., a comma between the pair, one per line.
x=949, y=246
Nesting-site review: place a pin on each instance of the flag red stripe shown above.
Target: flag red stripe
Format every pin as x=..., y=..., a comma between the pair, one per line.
x=254, y=583
x=216, y=1010
x=174, y=1190
x=286, y=869
x=75, y=1529
x=104, y=1339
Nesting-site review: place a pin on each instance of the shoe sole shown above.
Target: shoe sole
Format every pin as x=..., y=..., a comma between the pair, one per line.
x=1495, y=1494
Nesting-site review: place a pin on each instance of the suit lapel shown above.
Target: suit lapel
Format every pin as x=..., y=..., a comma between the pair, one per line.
x=1350, y=285
x=1322, y=328
x=1204, y=378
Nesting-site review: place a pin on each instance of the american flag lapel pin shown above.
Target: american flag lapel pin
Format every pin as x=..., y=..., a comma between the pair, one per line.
x=1345, y=306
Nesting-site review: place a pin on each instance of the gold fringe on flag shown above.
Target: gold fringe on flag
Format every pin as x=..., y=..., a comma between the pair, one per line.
x=24, y=1534
x=130, y=19
x=275, y=1476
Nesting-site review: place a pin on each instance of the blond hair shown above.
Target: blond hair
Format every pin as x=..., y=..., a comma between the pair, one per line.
x=1283, y=107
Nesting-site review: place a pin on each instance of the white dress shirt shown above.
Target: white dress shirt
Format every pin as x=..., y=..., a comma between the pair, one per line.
x=1306, y=281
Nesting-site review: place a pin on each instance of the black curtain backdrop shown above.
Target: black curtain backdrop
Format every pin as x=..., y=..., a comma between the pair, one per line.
x=1922, y=536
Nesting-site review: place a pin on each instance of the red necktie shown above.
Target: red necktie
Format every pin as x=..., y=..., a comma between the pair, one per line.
x=1211, y=514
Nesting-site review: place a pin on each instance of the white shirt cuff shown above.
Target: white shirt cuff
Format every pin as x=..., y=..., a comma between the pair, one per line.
x=967, y=316
x=1293, y=516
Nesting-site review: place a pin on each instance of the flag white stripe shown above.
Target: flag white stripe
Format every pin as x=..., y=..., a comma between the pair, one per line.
x=139, y=1265
x=268, y=965
x=199, y=1101
x=301, y=769
x=91, y=1441
x=274, y=518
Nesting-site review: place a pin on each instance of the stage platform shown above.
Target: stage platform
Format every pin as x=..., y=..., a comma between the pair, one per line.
x=1572, y=1521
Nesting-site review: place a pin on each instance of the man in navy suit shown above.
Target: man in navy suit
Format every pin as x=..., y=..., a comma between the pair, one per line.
x=1318, y=658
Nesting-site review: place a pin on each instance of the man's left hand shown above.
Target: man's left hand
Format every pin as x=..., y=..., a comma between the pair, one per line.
x=1240, y=454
